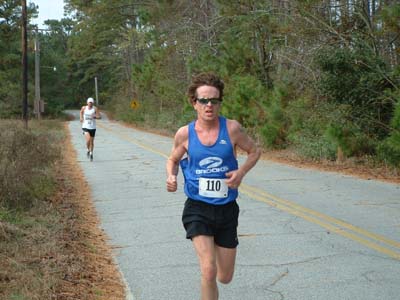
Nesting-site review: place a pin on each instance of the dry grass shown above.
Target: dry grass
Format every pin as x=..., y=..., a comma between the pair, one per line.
x=26, y=158
x=55, y=250
x=27, y=259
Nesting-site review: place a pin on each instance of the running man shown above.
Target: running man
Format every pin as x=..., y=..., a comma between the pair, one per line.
x=89, y=114
x=212, y=177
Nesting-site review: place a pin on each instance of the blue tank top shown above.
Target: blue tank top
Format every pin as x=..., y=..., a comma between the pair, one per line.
x=205, y=166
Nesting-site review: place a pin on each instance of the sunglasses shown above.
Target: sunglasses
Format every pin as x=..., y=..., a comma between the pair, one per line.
x=204, y=101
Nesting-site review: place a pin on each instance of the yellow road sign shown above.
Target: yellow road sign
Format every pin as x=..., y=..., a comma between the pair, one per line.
x=134, y=104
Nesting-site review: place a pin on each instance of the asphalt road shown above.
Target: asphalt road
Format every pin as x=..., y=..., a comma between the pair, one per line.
x=303, y=234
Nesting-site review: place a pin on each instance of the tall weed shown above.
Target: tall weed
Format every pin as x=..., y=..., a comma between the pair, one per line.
x=25, y=159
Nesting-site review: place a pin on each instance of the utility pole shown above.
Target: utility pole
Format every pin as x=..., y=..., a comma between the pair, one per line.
x=39, y=104
x=24, y=67
x=37, y=75
x=96, y=91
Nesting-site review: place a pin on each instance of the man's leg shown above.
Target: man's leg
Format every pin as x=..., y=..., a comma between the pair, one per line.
x=87, y=138
x=91, y=144
x=205, y=249
x=225, y=263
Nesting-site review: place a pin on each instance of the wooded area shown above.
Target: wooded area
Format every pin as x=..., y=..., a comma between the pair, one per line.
x=319, y=76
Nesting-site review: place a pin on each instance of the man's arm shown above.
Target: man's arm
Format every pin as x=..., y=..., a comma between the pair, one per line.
x=241, y=139
x=178, y=151
x=98, y=115
x=81, y=113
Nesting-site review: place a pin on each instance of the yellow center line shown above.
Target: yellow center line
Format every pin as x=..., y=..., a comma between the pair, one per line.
x=321, y=220
x=354, y=233
x=351, y=227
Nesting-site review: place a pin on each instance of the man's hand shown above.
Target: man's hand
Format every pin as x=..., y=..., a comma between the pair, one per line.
x=234, y=179
x=172, y=184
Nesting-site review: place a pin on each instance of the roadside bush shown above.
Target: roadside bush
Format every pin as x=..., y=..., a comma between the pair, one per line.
x=323, y=130
x=349, y=138
x=25, y=158
x=273, y=129
x=126, y=114
x=307, y=129
x=259, y=110
x=244, y=95
x=389, y=149
x=357, y=77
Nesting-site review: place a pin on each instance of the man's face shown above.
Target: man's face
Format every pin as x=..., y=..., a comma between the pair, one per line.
x=207, y=104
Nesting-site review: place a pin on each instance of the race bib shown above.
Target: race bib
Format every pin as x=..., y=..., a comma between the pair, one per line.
x=213, y=188
x=89, y=119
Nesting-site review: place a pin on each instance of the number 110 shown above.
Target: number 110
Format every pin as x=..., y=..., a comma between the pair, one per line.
x=213, y=185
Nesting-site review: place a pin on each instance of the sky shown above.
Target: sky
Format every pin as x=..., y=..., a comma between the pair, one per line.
x=48, y=9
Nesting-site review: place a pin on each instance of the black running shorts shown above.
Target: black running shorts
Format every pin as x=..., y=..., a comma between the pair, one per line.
x=92, y=132
x=219, y=221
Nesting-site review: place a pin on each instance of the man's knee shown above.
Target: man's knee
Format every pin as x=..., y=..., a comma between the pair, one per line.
x=209, y=272
x=225, y=278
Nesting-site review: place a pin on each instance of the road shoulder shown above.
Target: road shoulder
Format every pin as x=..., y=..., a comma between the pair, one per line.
x=92, y=272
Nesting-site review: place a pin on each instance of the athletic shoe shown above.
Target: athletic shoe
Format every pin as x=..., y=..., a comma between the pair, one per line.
x=88, y=154
x=91, y=157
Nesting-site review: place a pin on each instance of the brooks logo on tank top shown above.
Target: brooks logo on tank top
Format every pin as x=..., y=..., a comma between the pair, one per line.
x=205, y=166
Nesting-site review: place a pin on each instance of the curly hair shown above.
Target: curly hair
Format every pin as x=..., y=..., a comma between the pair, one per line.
x=201, y=79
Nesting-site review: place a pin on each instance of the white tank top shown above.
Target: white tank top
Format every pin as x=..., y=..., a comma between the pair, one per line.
x=89, y=122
